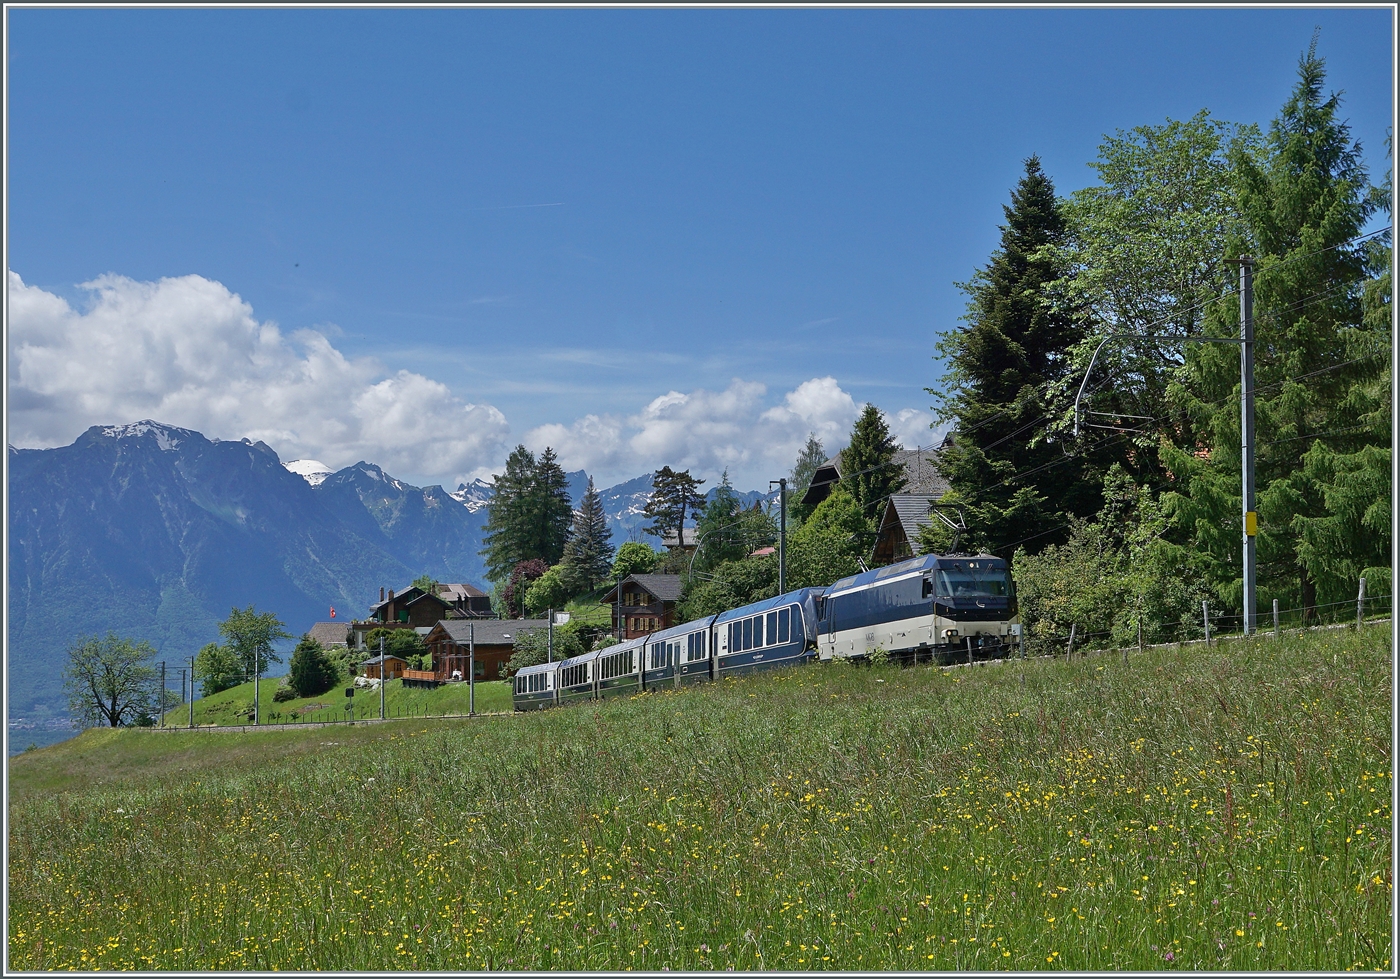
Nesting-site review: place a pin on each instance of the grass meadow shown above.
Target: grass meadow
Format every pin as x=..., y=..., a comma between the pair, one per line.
x=1197, y=808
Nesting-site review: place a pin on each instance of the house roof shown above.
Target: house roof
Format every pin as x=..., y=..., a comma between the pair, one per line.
x=662, y=587
x=456, y=591
x=921, y=476
x=447, y=592
x=488, y=632
x=386, y=657
x=329, y=633
x=911, y=511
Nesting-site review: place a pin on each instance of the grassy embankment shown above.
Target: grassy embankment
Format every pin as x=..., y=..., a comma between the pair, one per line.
x=1204, y=808
x=235, y=705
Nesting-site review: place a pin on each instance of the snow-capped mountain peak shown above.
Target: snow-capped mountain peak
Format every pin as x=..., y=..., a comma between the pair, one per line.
x=473, y=495
x=310, y=470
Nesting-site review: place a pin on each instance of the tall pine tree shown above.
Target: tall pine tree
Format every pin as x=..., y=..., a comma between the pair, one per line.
x=1017, y=482
x=673, y=495
x=588, y=555
x=1320, y=367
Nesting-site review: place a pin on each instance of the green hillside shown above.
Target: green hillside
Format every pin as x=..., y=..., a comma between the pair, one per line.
x=1198, y=808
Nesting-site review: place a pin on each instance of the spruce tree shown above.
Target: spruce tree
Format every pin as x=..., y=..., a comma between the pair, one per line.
x=588, y=555
x=311, y=671
x=552, y=511
x=1320, y=366
x=1016, y=481
x=507, y=534
x=868, y=471
x=529, y=515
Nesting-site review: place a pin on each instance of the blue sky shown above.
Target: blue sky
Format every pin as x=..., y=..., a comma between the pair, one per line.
x=646, y=237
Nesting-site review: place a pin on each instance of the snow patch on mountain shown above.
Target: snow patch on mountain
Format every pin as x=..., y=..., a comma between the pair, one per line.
x=168, y=437
x=310, y=470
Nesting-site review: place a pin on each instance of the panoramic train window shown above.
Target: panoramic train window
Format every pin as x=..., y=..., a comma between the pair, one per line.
x=783, y=634
x=967, y=581
x=748, y=633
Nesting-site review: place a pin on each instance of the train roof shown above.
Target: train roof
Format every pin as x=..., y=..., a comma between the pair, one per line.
x=924, y=562
x=684, y=629
x=537, y=668
x=800, y=595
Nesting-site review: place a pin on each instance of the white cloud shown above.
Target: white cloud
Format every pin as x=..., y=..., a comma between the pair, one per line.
x=189, y=352
x=911, y=428
x=706, y=432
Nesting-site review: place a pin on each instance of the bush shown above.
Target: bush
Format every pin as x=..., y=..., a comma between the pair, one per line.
x=284, y=694
x=532, y=647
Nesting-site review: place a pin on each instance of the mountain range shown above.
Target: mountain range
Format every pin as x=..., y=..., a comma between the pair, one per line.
x=154, y=532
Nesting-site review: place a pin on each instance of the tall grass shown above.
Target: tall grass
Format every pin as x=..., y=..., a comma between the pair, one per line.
x=1212, y=808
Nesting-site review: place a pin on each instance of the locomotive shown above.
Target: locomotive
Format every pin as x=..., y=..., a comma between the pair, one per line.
x=942, y=606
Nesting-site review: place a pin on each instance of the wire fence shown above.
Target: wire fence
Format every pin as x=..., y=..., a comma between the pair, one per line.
x=1206, y=626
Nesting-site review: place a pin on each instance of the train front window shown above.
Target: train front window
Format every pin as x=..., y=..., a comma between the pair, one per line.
x=973, y=583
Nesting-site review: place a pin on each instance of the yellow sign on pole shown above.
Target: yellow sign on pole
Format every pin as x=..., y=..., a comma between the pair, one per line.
x=1251, y=523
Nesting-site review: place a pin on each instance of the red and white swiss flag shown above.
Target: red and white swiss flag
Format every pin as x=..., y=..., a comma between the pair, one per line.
x=332, y=611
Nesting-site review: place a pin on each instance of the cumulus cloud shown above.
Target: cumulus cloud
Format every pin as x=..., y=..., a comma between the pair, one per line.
x=913, y=428
x=189, y=352
x=707, y=432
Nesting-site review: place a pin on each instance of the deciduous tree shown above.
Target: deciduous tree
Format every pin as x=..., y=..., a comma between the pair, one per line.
x=250, y=634
x=110, y=680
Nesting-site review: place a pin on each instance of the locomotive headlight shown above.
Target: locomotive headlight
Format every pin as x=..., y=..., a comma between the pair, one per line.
x=951, y=633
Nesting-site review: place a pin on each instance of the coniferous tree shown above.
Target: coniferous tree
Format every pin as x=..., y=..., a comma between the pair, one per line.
x=529, y=514
x=311, y=671
x=672, y=495
x=554, y=512
x=1320, y=367
x=507, y=533
x=588, y=555
x=868, y=471
x=1002, y=464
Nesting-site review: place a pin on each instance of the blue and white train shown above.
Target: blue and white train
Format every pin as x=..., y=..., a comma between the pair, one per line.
x=942, y=605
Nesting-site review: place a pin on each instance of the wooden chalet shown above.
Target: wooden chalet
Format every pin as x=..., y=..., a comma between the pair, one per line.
x=643, y=603
x=414, y=608
x=387, y=666
x=450, y=642
x=904, y=515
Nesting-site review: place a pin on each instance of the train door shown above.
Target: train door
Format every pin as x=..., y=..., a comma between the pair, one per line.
x=826, y=636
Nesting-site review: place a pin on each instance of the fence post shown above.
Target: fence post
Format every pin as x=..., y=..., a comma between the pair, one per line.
x=1205, y=617
x=1360, y=603
x=1275, y=618
x=1069, y=651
